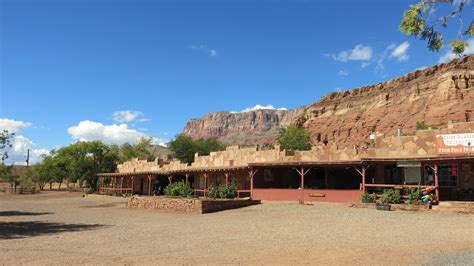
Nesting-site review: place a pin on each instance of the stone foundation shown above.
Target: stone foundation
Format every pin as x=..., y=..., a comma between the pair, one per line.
x=395, y=207
x=188, y=205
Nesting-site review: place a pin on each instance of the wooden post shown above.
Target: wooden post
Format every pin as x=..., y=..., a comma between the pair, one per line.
x=133, y=181
x=205, y=183
x=302, y=184
x=149, y=185
x=251, y=175
x=226, y=174
x=435, y=168
x=302, y=174
x=363, y=179
x=121, y=183
x=362, y=174
x=186, y=178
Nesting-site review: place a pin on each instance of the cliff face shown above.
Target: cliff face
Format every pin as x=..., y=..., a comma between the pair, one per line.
x=434, y=96
x=258, y=126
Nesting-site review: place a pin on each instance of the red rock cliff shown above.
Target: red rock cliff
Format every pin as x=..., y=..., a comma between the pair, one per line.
x=434, y=96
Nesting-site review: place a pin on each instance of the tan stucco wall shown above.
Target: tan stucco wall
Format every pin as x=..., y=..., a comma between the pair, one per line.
x=417, y=144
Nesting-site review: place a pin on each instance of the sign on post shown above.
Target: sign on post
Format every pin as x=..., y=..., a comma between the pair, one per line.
x=455, y=143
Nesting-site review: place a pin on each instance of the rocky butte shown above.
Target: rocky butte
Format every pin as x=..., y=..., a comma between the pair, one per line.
x=435, y=96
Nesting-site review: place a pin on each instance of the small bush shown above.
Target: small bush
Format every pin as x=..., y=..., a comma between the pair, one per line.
x=367, y=198
x=413, y=195
x=390, y=196
x=178, y=189
x=223, y=191
x=423, y=126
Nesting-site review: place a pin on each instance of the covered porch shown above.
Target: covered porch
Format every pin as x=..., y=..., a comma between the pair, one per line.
x=452, y=177
x=335, y=181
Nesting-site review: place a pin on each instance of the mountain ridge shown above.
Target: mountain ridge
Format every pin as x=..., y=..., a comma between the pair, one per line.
x=435, y=95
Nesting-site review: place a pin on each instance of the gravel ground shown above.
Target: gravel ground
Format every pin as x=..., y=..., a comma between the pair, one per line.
x=65, y=228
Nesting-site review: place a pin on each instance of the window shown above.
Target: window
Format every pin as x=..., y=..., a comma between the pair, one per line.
x=412, y=175
x=448, y=175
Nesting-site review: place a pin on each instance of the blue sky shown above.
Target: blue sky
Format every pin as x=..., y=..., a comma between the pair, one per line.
x=119, y=70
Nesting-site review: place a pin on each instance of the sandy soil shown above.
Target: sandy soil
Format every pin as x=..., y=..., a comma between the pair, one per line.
x=65, y=228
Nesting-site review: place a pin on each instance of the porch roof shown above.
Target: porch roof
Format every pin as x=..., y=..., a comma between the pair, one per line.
x=438, y=158
x=306, y=163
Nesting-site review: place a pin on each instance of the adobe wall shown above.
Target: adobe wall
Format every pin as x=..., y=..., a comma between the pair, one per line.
x=415, y=144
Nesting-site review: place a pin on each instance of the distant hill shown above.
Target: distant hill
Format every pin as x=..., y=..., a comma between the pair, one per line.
x=433, y=96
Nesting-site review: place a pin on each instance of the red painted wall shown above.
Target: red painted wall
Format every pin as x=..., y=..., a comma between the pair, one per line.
x=330, y=195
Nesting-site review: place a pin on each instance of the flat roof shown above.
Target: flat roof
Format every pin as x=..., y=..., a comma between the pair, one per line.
x=305, y=163
x=298, y=163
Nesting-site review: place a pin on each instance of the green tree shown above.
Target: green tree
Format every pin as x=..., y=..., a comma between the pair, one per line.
x=5, y=143
x=53, y=168
x=294, y=138
x=142, y=149
x=419, y=22
x=184, y=147
x=206, y=146
x=29, y=179
x=85, y=159
x=6, y=174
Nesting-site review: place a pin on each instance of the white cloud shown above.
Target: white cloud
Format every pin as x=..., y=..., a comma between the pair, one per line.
x=20, y=144
x=203, y=48
x=127, y=116
x=13, y=126
x=343, y=73
x=117, y=134
x=261, y=107
x=400, y=51
x=18, y=153
x=448, y=55
x=359, y=53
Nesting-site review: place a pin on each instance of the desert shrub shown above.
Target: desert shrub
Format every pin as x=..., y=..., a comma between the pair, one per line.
x=178, y=189
x=413, y=195
x=223, y=191
x=423, y=126
x=390, y=196
x=213, y=192
x=367, y=198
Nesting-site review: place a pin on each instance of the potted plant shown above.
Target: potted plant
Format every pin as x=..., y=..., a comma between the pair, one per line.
x=389, y=196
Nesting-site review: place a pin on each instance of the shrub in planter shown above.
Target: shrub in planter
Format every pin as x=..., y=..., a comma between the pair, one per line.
x=367, y=198
x=413, y=195
x=178, y=189
x=223, y=191
x=213, y=192
x=390, y=196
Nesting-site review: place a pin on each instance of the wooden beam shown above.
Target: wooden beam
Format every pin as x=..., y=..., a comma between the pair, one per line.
x=436, y=183
x=226, y=174
x=205, y=183
x=149, y=184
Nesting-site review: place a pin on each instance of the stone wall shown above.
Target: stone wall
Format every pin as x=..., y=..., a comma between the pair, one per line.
x=187, y=205
x=410, y=144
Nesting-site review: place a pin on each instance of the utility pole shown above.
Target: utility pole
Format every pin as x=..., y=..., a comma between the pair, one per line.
x=28, y=158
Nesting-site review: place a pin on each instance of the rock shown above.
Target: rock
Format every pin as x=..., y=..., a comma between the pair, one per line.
x=438, y=95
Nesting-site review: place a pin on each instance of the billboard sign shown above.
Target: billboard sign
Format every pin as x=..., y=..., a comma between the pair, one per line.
x=455, y=143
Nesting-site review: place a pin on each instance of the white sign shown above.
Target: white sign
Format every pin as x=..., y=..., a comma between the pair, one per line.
x=455, y=143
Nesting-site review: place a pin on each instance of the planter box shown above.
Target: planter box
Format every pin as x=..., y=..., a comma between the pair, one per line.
x=383, y=207
x=187, y=204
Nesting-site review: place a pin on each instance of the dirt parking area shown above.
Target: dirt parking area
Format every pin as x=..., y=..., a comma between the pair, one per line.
x=66, y=228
